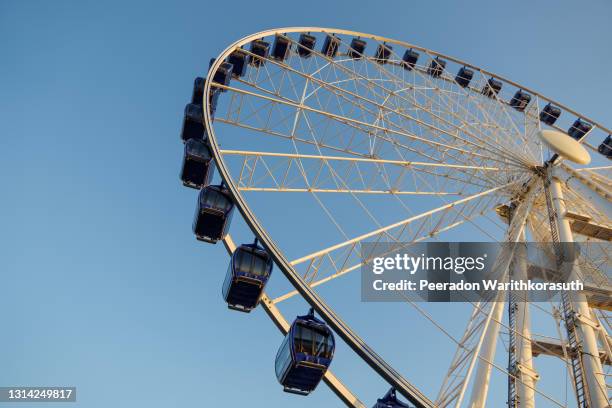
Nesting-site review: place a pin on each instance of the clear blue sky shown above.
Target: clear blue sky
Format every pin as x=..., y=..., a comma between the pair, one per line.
x=102, y=285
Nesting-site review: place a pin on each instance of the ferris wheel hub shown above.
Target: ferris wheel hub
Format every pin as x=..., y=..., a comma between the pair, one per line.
x=565, y=146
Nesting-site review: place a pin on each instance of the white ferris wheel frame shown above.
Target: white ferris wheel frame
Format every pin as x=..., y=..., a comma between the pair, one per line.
x=394, y=378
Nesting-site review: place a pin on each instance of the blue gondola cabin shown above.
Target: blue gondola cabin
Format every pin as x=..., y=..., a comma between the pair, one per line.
x=436, y=67
x=579, y=129
x=330, y=46
x=550, y=114
x=605, y=147
x=197, y=167
x=248, y=272
x=238, y=59
x=390, y=400
x=213, y=214
x=520, y=100
x=492, y=88
x=305, y=355
x=357, y=48
x=197, y=97
x=306, y=45
x=410, y=59
x=223, y=75
x=281, y=47
x=193, y=124
x=259, y=52
x=213, y=101
x=383, y=52
x=464, y=76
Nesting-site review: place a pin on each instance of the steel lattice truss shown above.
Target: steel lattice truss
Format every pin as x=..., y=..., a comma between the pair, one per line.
x=354, y=134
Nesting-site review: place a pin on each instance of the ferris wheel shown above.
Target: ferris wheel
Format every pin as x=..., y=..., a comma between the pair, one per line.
x=325, y=139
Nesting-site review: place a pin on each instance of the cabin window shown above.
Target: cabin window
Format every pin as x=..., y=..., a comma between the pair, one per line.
x=196, y=148
x=312, y=341
x=323, y=344
x=259, y=266
x=283, y=358
x=248, y=262
x=251, y=263
x=303, y=340
x=217, y=200
x=241, y=264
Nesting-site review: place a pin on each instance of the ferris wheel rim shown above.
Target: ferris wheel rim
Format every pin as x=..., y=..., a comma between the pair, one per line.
x=359, y=346
x=326, y=312
x=328, y=30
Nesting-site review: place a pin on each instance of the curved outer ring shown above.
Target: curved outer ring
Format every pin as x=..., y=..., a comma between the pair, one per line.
x=375, y=361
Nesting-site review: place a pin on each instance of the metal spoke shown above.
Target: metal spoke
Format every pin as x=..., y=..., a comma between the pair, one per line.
x=402, y=223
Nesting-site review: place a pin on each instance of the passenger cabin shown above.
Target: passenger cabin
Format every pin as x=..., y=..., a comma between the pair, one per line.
x=197, y=97
x=197, y=169
x=492, y=88
x=238, y=59
x=358, y=47
x=281, y=47
x=193, y=126
x=307, y=43
x=213, y=214
x=260, y=49
x=383, y=52
x=579, y=129
x=223, y=75
x=550, y=114
x=520, y=100
x=390, y=400
x=248, y=272
x=330, y=46
x=436, y=67
x=213, y=100
x=410, y=59
x=464, y=76
x=305, y=354
x=605, y=147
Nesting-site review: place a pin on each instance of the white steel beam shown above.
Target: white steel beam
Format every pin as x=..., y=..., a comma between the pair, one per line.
x=593, y=371
x=347, y=120
x=604, y=193
x=344, y=271
x=484, y=351
x=525, y=373
x=397, y=224
x=342, y=191
x=350, y=96
x=480, y=386
x=358, y=159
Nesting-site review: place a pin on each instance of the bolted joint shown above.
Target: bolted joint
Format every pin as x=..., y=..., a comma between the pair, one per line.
x=579, y=317
x=528, y=371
